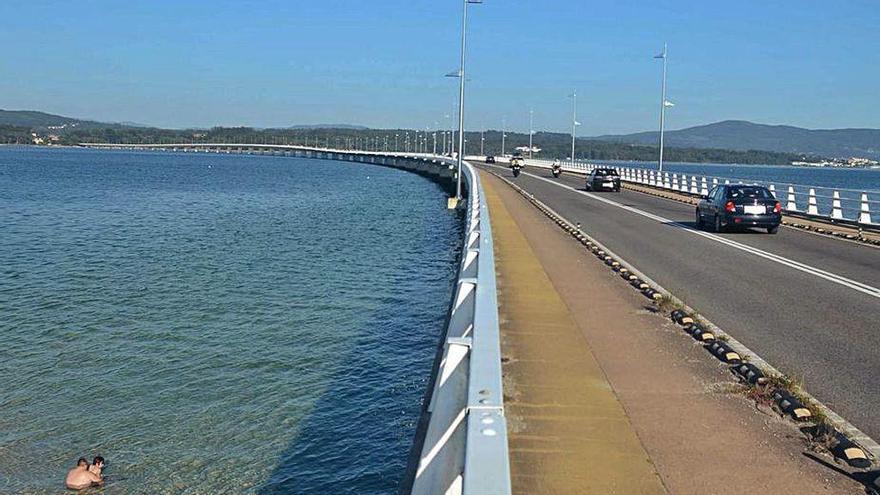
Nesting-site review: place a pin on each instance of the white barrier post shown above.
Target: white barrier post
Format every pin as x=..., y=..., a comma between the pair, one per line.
x=726, y=182
x=714, y=182
x=836, y=210
x=694, y=189
x=812, y=208
x=865, y=213
x=791, y=204
x=684, y=183
x=675, y=182
x=704, y=188
x=666, y=180
x=773, y=190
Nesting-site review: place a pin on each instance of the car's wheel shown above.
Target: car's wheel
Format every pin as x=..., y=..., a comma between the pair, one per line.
x=699, y=221
x=718, y=227
x=773, y=230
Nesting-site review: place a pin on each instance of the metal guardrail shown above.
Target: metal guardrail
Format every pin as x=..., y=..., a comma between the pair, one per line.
x=464, y=448
x=846, y=206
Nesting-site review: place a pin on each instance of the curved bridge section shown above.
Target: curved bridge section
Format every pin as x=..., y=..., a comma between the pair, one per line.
x=462, y=443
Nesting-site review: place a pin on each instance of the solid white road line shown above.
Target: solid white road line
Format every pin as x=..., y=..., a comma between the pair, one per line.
x=831, y=277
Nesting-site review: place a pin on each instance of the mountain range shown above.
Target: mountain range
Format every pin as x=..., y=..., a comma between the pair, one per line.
x=736, y=135
x=743, y=135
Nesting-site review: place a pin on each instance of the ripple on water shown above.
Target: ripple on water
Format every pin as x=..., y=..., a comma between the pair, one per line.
x=264, y=324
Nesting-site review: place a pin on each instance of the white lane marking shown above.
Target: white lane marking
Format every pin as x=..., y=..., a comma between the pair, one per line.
x=831, y=277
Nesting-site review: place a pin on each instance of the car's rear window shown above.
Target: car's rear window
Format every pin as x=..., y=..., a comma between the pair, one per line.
x=749, y=192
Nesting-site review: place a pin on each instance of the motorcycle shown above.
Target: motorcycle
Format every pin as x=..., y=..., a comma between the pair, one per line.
x=556, y=171
x=516, y=165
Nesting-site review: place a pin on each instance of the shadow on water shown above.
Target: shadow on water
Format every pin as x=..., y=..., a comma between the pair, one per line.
x=358, y=435
x=364, y=414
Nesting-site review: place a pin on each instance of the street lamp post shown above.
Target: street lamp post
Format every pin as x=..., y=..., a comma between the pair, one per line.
x=461, y=79
x=531, y=115
x=663, y=105
x=482, y=142
x=503, y=135
x=574, y=123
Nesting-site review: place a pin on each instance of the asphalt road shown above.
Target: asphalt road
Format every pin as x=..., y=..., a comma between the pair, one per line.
x=807, y=304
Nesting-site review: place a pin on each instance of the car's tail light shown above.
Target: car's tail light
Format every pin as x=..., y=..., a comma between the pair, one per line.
x=730, y=207
x=777, y=208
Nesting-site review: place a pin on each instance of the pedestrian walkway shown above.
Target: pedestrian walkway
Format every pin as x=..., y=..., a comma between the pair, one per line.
x=568, y=432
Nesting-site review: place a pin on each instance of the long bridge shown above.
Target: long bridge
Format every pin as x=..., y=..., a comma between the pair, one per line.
x=804, y=302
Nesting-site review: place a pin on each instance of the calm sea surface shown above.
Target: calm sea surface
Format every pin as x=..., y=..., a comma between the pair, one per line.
x=216, y=323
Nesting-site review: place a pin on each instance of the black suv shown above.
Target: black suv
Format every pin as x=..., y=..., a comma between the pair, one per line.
x=602, y=179
x=739, y=206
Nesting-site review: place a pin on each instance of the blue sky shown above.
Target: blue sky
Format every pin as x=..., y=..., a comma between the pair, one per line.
x=381, y=63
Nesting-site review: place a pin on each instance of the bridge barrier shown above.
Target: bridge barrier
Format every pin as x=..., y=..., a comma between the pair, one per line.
x=462, y=446
x=839, y=205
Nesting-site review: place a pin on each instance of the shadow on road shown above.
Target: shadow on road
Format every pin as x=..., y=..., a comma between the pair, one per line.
x=869, y=479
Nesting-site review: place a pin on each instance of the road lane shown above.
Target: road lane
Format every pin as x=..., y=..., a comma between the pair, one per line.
x=808, y=326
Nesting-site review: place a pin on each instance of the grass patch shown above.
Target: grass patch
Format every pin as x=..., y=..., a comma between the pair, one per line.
x=667, y=304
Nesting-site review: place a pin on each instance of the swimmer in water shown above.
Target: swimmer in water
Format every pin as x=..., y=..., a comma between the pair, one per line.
x=97, y=466
x=80, y=477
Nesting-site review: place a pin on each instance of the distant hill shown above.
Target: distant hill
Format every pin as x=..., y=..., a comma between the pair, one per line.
x=742, y=135
x=27, y=118
x=42, y=120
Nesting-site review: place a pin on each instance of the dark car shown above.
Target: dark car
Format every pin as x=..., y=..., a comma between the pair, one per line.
x=739, y=206
x=490, y=159
x=603, y=179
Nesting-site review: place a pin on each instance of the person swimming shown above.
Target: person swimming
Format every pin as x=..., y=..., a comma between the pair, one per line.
x=81, y=477
x=97, y=466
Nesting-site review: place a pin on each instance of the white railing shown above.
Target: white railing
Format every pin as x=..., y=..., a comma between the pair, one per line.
x=825, y=203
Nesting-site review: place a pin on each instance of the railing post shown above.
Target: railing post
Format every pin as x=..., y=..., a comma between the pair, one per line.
x=666, y=184
x=836, y=210
x=704, y=188
x=812, y=207
x=694, y=189
x=675, y=182
x=791, y=204
x=865, y=213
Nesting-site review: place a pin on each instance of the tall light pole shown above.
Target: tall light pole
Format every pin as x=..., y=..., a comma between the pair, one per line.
x=461, y=78
x=531, y=117
x=503, y=135
x=663, y=104
x=482, y=142
x=574, y=122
